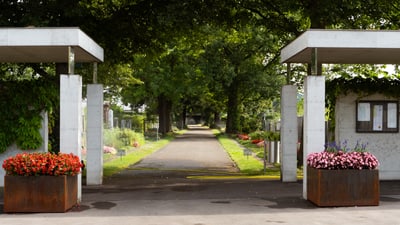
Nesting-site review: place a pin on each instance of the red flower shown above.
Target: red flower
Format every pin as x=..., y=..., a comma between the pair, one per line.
x=243, y=136
x=256, y=141
x=37, y=164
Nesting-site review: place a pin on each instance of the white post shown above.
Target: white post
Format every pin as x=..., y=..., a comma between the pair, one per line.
x=289, y=133
x=314, y=120
x=94, y=169
x=271, y=151
x=71, y=118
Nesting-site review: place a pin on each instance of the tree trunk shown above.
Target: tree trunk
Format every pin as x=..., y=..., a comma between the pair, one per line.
x=316, y=18
x=164, y=114
x=216, y=118
x=207, y=113
x=184, y=114
x=232, y=121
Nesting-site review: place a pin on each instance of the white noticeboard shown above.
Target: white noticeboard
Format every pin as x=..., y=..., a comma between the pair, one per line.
x=378, y=118
x=392, y=115
x=363, y=112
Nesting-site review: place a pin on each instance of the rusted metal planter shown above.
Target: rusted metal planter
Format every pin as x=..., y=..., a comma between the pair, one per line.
x=343, y=187
x=40, y=193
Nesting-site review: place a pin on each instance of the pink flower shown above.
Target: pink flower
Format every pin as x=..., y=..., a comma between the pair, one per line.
x=342, y=160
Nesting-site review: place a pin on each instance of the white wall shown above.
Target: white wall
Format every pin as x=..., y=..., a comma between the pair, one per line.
x=385, y=146
x=13, y=149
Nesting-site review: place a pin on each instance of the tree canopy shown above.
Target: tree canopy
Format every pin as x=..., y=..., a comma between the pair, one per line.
x=213, y=57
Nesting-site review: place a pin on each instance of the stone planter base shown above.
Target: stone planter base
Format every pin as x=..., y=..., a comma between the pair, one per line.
x=40, y=194
x=343, y=187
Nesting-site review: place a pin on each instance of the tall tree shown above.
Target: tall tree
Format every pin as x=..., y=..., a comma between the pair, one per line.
x=151, y=28
x=169, y=81
x=234, y=60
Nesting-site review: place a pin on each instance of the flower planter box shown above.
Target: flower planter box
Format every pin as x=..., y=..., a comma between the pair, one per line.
x=343, y=187
x=40, y=193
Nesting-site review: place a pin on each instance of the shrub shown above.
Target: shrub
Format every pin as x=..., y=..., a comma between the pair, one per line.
x=265, y=135
x=109, y=150
x=138, y=123
x=118, y=138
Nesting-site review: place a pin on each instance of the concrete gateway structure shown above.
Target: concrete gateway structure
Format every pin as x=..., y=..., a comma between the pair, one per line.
x=66, y=46
x=353, y=113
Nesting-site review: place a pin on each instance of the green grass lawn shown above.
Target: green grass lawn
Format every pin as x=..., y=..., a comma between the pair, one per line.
x=249, y=165
x=120, y=163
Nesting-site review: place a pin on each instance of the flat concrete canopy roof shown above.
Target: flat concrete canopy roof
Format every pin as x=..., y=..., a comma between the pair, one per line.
x=36, y=45
x=345, y=47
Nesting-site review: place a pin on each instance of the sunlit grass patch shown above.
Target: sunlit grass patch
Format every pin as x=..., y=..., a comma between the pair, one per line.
x=247, y=164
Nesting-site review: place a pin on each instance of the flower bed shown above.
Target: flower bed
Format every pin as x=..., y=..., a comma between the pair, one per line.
x=336, y=157
x=339, y=176
x=343, y=187
x=256, y=141
x=41, y=182
x=40, y=193
x=243, y=136
x=342, y=160
x=39, y=164
x=109, y=150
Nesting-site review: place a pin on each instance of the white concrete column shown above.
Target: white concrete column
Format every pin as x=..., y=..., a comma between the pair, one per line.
x=71, y=118
x=271, y=151
x=289, y=133
x=94, y=168
x=314, y=120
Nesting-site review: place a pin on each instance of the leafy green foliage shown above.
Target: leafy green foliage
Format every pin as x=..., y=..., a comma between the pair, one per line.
x=360, y=85
x=265, y=135
x=27, y=132
x=21, y=105
x=208, y=57
x=119, y=138
x=236, y=67
x=17, y=13
x=137, y=122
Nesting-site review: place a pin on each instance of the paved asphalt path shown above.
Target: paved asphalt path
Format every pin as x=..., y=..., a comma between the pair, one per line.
x=196, y=149
x=158, y=191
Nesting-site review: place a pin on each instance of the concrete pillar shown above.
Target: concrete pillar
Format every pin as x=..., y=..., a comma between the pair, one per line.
x=71, y=118
x=44, y=131
x=271, y=151
x=289, y=133
x=277, y=150
x=314, y=120
x=94, y=167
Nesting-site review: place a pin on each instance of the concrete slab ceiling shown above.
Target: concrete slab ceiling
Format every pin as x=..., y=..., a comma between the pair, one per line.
x=345, y=47
x=35, y=45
